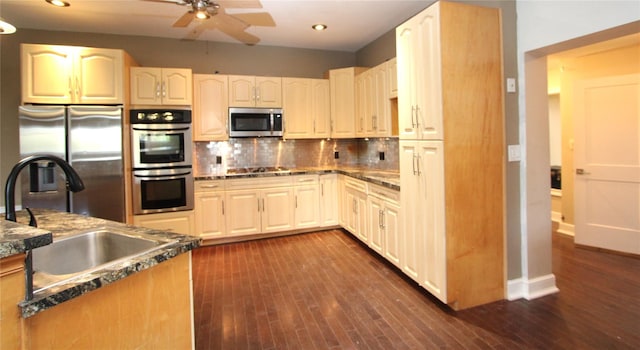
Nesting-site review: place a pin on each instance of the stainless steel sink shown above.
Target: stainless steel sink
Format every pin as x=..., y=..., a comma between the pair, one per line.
x=70, y=256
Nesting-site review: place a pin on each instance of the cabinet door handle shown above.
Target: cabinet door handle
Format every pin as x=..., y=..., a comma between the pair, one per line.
x=78, y=90
x=413, y=110
x=70, y=87
x=296, y=202
x=209, y=186
x=164, y=89
x=157, y=89
x=417, y=116
x=223, y=207
x=322, y=190
x=258, y=204
x=418, y=164
x=413, y=164
x=375, y=122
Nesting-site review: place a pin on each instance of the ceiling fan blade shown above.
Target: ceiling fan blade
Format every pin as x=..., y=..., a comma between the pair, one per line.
x=185, y=19
x=195, y=32
x=178, y=2
x=262, y=19
x=240, y=4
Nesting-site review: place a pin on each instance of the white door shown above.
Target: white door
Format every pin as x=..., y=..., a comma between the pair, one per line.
x=607, y=163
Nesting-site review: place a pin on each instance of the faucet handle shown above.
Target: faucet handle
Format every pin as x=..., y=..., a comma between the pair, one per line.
x=32, y=218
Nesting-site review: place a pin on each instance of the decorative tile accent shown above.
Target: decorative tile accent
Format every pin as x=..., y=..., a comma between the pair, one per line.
x=264, y=152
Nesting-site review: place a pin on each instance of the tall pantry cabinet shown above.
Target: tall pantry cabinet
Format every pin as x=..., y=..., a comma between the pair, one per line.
x=451, y=121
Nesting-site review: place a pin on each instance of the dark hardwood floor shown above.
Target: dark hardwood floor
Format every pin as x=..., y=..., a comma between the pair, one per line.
x=325, y=290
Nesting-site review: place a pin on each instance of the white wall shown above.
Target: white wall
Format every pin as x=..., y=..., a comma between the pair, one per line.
x=545, y=27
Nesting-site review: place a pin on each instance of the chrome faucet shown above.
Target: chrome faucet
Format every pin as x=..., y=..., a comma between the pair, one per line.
x=74, y=183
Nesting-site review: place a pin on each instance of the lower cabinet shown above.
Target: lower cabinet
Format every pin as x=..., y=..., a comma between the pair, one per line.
x=179, y=222
x=209, y=210
x=307, y=201
x=259, y=211
x=383, y=208
x=329, y=203
x=356, y=208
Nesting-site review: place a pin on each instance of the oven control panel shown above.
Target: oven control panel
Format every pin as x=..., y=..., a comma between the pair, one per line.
x=160, y=116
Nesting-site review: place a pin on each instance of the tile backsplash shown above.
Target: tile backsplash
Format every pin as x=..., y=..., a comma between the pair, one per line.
x=217, y=157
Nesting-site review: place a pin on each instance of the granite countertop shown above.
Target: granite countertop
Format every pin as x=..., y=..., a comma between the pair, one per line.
x=61, y=224
x=16, y=238
x=385, y=178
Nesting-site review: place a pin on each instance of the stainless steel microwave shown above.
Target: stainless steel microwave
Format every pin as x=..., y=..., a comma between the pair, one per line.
x=255, y=122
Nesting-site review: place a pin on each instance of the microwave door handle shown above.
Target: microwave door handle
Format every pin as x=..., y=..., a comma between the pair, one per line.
x=271, y=121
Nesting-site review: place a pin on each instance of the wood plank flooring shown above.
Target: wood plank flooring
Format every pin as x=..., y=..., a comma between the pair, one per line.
x=325, y=290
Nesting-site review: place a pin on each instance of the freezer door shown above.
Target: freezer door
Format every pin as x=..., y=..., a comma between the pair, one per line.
x=42, y=131
x=95, y=152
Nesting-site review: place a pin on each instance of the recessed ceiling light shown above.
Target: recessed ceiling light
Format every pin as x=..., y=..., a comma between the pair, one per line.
x=319, y=27
x=58, y=3
x=6, y=28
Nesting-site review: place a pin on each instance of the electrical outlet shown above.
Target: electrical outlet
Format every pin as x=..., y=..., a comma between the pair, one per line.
x=336, y=155
x=381, y=155
x=511, y=85
x=514, y=153
x=218, y=160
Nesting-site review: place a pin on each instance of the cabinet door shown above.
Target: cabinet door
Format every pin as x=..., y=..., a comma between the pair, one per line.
x=243, y=212
x=407, y=81
x=321, y=107
x=296, y=102
x=392, y=76
x=380, y=102
x=391, y=239
x=268, y=92
x=210, y=107
x=209, y=214
x=46, y=74
x=241, y=91
x=376, y=228
x=277, y=209
x=146, y=85
x=329, y=200
x=428, y=75
x=410, y=242
x=362, y=227
x=361, y=103
x=342, y=102
x=177, y=86
x=99, y=76
x=307, y=206
x=431, y=203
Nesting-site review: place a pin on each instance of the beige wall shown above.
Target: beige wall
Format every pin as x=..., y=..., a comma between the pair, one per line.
x=609, y=63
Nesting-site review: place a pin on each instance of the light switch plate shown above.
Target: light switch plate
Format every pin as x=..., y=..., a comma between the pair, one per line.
x=511, y=85
x=514, y=153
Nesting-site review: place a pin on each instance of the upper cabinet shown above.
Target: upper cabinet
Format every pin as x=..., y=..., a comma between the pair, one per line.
x=210, y=107
x=306, y=105
x=56, y=74
x=392, y=74
x=343, y=101
x=374, y=117
x=161, y=86
x=419, y=77
x=251, y=91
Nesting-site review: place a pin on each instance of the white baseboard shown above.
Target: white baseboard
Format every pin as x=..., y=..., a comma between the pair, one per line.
x=531, y=289
x=556, y=216
x=567, y=229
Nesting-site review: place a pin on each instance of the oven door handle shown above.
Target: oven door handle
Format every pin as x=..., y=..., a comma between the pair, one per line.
x=159, y=176
x=165, y=129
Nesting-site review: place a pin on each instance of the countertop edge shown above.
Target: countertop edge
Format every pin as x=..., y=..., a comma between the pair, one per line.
x=17, y=238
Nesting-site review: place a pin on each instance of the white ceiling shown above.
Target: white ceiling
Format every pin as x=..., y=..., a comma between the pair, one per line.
x=351, y=23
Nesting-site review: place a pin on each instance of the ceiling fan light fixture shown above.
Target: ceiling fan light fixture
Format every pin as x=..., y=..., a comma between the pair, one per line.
x=58, y=3
x=6, y=27
x=319, y=27
x=202, y=14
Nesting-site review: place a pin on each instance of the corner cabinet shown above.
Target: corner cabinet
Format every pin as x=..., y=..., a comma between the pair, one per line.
x=161, y=86
x=56, y=74
x=252, y=91
x=210, y=107
x=452, y=162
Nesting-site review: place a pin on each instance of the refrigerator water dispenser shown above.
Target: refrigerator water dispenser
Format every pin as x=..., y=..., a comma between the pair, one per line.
x=42, y=177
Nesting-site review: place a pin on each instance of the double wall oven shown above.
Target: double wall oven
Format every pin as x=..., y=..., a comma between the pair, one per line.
x=161, y=157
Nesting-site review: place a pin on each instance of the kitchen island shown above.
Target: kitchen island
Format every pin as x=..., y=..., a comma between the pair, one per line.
x=140, y=302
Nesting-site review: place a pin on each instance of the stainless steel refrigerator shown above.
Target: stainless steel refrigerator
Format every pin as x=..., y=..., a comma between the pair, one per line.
x=87, y=137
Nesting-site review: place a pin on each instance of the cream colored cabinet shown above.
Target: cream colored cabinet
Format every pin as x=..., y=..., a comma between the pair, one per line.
x=392, y=76
x=306, y=104
x=329, y=202
x=356, y=214
x=252, y=91
x=453, y=214
x=296, y=102
x=179, y=222
x=210, y=107
x=383, y=214
x=161, y=86
x=307, y=201
x=259, y=206
x=68, y=74
x=209, y=210
x=343, y=101
x=373, y=105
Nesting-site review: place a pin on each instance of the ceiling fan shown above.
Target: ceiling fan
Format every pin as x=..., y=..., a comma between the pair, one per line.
x=211, y=14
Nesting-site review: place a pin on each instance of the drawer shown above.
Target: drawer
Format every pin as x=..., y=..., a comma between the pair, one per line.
x=305, y=179
x=209, y=185
x=384, y=193
x=258, y=182
x=355, y=184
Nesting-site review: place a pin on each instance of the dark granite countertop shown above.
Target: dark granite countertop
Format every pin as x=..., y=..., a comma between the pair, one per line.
x=62, y=224
x=389, y=179
x=16, y=238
